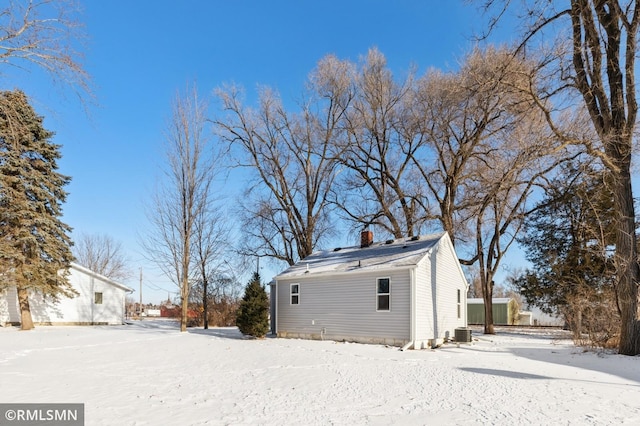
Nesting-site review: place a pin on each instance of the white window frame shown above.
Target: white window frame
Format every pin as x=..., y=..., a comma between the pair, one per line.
x=459, y=304
x=296, y=294
x=378, y=294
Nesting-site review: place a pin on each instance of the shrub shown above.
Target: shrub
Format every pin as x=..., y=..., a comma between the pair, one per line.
x=593, y=318
x=253, y=313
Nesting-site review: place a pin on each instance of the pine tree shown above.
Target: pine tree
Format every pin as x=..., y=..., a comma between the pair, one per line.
x=253, y=313
x=34, y=242
x=569, y=238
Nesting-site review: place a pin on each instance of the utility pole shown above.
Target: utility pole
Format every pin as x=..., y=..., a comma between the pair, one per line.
x=140, y=290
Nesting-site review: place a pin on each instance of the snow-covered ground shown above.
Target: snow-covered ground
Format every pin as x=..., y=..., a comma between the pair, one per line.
x=148, y=373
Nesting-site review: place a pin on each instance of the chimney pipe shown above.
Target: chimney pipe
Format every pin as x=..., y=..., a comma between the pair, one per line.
x=366, y=238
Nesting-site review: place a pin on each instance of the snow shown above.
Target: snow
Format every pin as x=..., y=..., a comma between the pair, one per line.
x=381, y=255
x=148, y=373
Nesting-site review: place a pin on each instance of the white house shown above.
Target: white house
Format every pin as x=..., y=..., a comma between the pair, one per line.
x=408, y=292
x=100, y=300
x=540, y=318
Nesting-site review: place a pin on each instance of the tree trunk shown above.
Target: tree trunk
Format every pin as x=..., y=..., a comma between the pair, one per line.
x=183, y=316
x=205, y=310
x=26, y=322
x=577, y=325
x=185, y=286
x=627, y=264
x=487, y=296
x=184, y=301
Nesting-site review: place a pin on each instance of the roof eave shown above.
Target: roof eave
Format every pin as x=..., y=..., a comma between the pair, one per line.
x=101, y=277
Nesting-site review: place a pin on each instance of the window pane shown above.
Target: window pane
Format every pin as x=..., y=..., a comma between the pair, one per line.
x=383, y=303
x=383, y=285
x=98, y=298
x=294, y=289
x=294, y=300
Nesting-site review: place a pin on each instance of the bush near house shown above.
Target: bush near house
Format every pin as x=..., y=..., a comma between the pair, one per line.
x=220, y=313
x=253, y=313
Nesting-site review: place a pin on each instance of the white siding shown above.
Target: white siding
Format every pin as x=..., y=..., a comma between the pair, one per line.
x=77, y=310
x=449, y=279
x=424, y=306
x=543, y=319
x=9, y=311
x=343, y=307
x=439, y=277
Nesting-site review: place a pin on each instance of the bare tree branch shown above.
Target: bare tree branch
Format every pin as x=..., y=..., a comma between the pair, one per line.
x=184, y=197
x=602, y=55
x=103, y=255
x=293, y=158
x=47, y=34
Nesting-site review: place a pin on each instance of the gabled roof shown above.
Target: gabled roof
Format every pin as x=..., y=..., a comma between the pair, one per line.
x=89, y=272
x=401, y=253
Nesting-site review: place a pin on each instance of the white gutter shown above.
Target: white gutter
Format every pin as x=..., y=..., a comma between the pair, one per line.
x=413, y=306
x=407, y=346
x=275, y=288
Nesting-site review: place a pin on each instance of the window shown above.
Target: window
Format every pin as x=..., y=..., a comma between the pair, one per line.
x=97, y=298
x=459, y=306
x=295, y=294
x=383, y=295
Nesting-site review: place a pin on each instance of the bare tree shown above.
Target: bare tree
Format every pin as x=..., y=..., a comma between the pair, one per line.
x=503, y=194
x=380, y=187
x=103, y=255
x=485, y=153
x=44, y=33
x=462, y=115
x=184, y=196
x=286, y=209
x=210, y=247
x=599, y=65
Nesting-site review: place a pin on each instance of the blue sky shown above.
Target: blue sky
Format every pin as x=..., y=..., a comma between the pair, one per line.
x=141, y=53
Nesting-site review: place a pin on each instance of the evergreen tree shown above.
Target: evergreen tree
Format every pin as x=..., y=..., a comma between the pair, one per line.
x=34, y=242
x=253, y=313
x=569, y=238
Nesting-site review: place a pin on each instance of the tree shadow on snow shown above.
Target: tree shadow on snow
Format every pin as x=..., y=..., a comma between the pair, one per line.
x=625, y=367
x=505, y=373
x=221, y=332
x=601, y=361
x=163, y=325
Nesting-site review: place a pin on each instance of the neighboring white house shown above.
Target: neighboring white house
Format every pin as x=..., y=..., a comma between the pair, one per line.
x=543, y=319
x=408, y=292
x=100, y=300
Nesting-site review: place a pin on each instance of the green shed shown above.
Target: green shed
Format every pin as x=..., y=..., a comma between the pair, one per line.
x=503, y=309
